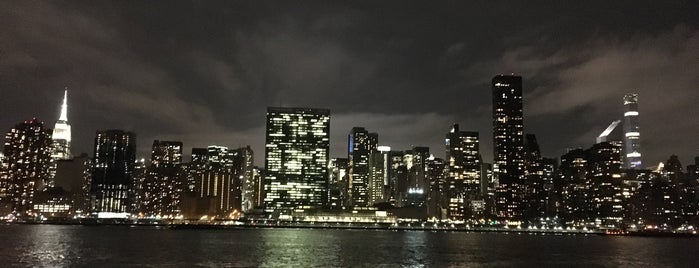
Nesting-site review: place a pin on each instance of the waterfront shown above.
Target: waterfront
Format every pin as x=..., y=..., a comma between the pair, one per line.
x=114, y=246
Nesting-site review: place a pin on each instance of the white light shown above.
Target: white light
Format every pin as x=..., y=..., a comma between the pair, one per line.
x=632, y=134
x=631, y=113
x=633, y=154
x=384, y=148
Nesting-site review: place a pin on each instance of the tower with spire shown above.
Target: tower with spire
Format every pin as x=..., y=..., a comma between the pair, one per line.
x=61, y=132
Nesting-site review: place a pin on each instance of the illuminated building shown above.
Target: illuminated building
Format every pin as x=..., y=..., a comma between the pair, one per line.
x=218, y=177
x=398, y=183
x=27, y=163
x=379, y=174
x=604, y=175
x=296, y=157
x=415, y=161
x=361, y=145
x=508, y=139
x=632, y=135
x=610, y=134
x=162, y=186
x=338, y=184
x=437, y=198
x=112, y=184
x=463, y=172
x=61, y=133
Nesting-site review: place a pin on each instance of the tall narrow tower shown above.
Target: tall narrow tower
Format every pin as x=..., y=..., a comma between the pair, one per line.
x=508, y=139
x=632, y=135
x=61, y=132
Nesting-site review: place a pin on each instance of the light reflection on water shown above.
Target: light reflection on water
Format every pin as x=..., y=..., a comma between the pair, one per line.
x=100, y=246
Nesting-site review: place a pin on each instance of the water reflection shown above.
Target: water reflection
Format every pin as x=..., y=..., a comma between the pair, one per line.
x=47, y=246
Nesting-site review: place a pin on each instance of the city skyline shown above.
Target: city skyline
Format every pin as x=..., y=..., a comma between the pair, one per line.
x=378, y=71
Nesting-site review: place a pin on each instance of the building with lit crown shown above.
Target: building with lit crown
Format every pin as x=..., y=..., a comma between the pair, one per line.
x=61, y=133
x=632, y=134
x=297, y=146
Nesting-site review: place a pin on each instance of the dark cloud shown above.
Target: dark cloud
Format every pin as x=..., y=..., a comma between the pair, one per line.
x=204, y=73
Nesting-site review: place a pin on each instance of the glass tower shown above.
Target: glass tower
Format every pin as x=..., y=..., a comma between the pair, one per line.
x=112, y=188
x=361, y=146
x=296, y=157
x=632, y=135
x=508, y=139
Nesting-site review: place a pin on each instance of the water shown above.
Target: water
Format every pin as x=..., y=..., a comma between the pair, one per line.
x=118, y=246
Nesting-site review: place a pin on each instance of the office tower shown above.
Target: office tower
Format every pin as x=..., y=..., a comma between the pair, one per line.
x=70, y=177
x=218, y=175
x=296, y=158
x=632, y=135
x=535, y=195
x=243, y=165
x=379, y=175
x=508, y=139
x=604, y=176
x=250, y=184
x=26, y=165
x=575, y=188
x=398, y=183
x=61, y=132
x=415, y=161
x=163, y=184
x=112, y=185
x=361, y=145
x=140, y=173
x=437, y=198
x=338, y=184
x=463, y=171
x=552, y=186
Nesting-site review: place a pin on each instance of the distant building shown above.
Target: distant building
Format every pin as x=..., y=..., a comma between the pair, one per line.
x=438, y=188
x=219, y=175
x=26, y=165
x=632, y=134
x=508, y=139
x=163, y=183
x=463, y=165
x=61, y=133
x=379, y=175
x=338, y=184
x=604, y=175
x=296, y=158
x=536, y=195
x=361, y=146
x=112, y=184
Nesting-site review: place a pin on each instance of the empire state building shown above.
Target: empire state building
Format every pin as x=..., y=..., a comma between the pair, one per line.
x=61, y=133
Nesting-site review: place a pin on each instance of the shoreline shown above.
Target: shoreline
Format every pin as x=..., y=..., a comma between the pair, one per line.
x=358, y=226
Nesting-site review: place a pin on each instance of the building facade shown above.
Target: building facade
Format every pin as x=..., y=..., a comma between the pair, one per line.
x=297, y=145
x=112, y=184
x=508, y=141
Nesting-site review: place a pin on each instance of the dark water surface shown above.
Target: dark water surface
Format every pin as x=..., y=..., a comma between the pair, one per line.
x=118, y=246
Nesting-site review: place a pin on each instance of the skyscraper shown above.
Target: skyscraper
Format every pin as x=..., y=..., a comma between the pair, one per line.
x=163, y=183
x=463, y=171
x=296, y=158
x=361, y=146
x=61, y=133
x=508, y=139
x=379, y=174
x=218, y=176
x=112, y=185
x=632, y=135
x=26, y=163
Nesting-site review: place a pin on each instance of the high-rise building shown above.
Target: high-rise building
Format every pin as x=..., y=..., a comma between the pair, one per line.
x=379, y=174
x=536, y=195
x=163, y=183
x=296, y=158
x=338, y=183
x=27, y=163
x=437, y=198
x=415, y=161
x=218, y=175
x=604, y=176
x=61, y=133
x=632, y=134
x=361, y=146
x=463, y=171
x=575, y=187
x=508, y=139
x=112, y=185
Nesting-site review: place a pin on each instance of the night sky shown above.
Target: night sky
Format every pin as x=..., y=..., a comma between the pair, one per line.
x=204, y=73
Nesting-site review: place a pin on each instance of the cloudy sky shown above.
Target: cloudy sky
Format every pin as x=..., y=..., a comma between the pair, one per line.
x=204, y=72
